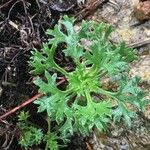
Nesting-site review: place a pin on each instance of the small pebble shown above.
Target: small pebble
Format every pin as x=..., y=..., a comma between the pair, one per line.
x=142, y=10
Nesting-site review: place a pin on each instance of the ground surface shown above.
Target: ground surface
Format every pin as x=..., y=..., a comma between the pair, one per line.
x=22, y=33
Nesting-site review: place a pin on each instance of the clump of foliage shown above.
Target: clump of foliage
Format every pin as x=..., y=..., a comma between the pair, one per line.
x=30, y=135
x=85, y=103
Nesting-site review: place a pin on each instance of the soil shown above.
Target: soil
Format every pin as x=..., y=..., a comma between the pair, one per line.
x=22, y=28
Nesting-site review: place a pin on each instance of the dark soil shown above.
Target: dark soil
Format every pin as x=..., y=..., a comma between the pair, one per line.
x=22, y=29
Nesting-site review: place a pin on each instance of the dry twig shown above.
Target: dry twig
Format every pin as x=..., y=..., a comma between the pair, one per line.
x=90, y=7
x=27, y=102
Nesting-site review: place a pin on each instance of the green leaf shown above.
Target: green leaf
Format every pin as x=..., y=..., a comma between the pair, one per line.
x=128, y=54
x=58, y=35
x=30, y=136
x=123, y=112
x=83, y=79
x=73, y=48
x=36, y=62
x=68, y=23
x=43, y=60
x=97, y=114
x=97, y=55
x=64, y=112
x=50, y=86
x=131, y=93
x=23, y=116
x=67, y=128
x=51, y=141
x=45, y=104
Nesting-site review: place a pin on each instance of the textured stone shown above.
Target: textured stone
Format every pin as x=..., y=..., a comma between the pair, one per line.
x=141, y=68
x=142, y=10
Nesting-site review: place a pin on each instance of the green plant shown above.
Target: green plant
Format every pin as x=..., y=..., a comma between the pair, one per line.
x=86, y=102
x=30, y=135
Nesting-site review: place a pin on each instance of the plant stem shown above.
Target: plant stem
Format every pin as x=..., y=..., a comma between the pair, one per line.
x=53, y=48
x=101, y=91
x=61, y=70
x=88, y=97
x=107, y=93
x=48, y=131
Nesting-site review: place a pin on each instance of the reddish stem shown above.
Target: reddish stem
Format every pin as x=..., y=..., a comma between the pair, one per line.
x=21, y=105
x=25, y=103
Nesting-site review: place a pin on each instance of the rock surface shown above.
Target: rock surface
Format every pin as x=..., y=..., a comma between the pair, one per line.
x=142, y=68
x=142, y=10
x=121, y=138
x=129, y=29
